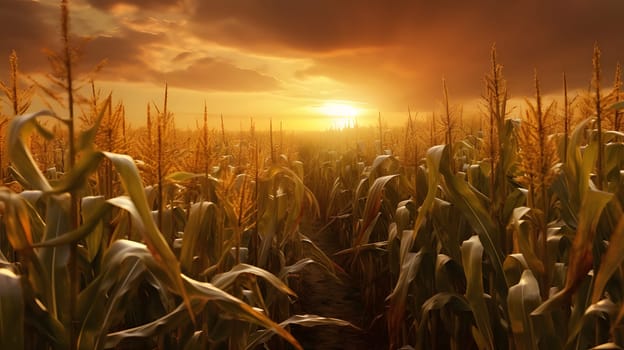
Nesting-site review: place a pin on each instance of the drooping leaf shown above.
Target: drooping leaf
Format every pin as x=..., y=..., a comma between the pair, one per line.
x=225, y=280
x=235, y=307
x=129, y=175
x=513, y=266
x=21, y=157
x=302, y=320
x=611, y=260
x=523, y=231
x=169, y=322
x=372, y=208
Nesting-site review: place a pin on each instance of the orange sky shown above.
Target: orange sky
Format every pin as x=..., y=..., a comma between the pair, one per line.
x=286, y=59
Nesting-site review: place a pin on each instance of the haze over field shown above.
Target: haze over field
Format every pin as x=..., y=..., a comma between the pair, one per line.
x=316, y=64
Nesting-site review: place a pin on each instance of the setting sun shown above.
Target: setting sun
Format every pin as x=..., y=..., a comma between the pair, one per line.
x=342, y=114
x=335, y=109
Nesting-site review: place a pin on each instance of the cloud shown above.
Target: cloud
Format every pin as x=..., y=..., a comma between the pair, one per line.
x=25, y=28
x=215, y=75
x=148, y=4
x=389, y=54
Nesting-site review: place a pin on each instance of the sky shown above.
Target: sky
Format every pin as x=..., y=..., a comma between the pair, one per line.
x=299, y=62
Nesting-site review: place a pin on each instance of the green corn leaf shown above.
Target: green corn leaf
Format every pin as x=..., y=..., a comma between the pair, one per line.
x=462, y=196
x=129, y=175
x=123, y=268
x=78, y=177
x=618, y=105
x=202, y=238
x=126, y=264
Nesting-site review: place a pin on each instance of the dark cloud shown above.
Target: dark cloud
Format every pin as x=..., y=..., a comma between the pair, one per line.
x=394, y=53
x=146, y=4
x=25, y=28
x=125, y=55
x=128, y=59
x=212, y=74
x=427, y=44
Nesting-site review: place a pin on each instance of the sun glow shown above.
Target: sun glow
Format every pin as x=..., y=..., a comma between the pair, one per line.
x=334, y=109
x=342, y=114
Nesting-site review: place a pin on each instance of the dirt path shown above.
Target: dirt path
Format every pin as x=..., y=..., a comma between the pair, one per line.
x=325, y=296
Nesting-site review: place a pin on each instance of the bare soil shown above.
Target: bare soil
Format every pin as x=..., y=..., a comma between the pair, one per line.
x=323, y=295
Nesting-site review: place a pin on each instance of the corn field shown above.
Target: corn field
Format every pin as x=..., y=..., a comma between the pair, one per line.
x=437, y=235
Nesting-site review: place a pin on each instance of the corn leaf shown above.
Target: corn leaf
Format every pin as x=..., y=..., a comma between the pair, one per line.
x=16, y=219
x=20, y=155
x=398, y=297
x=11, y=310
x=169, y=322
x=54, y=259
x=226, y=280
x=90, y=211
x=522, y=299
x=123, y=269
x=462, y=196
x=618, y=105
x=513, y=266
x=129, y=175
x=611, y=260
x=472, y=256
x=523, y=231
x=201, y=239
x=434, y=158
x=372, y=208
x=234, y=307
x=263, y=336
